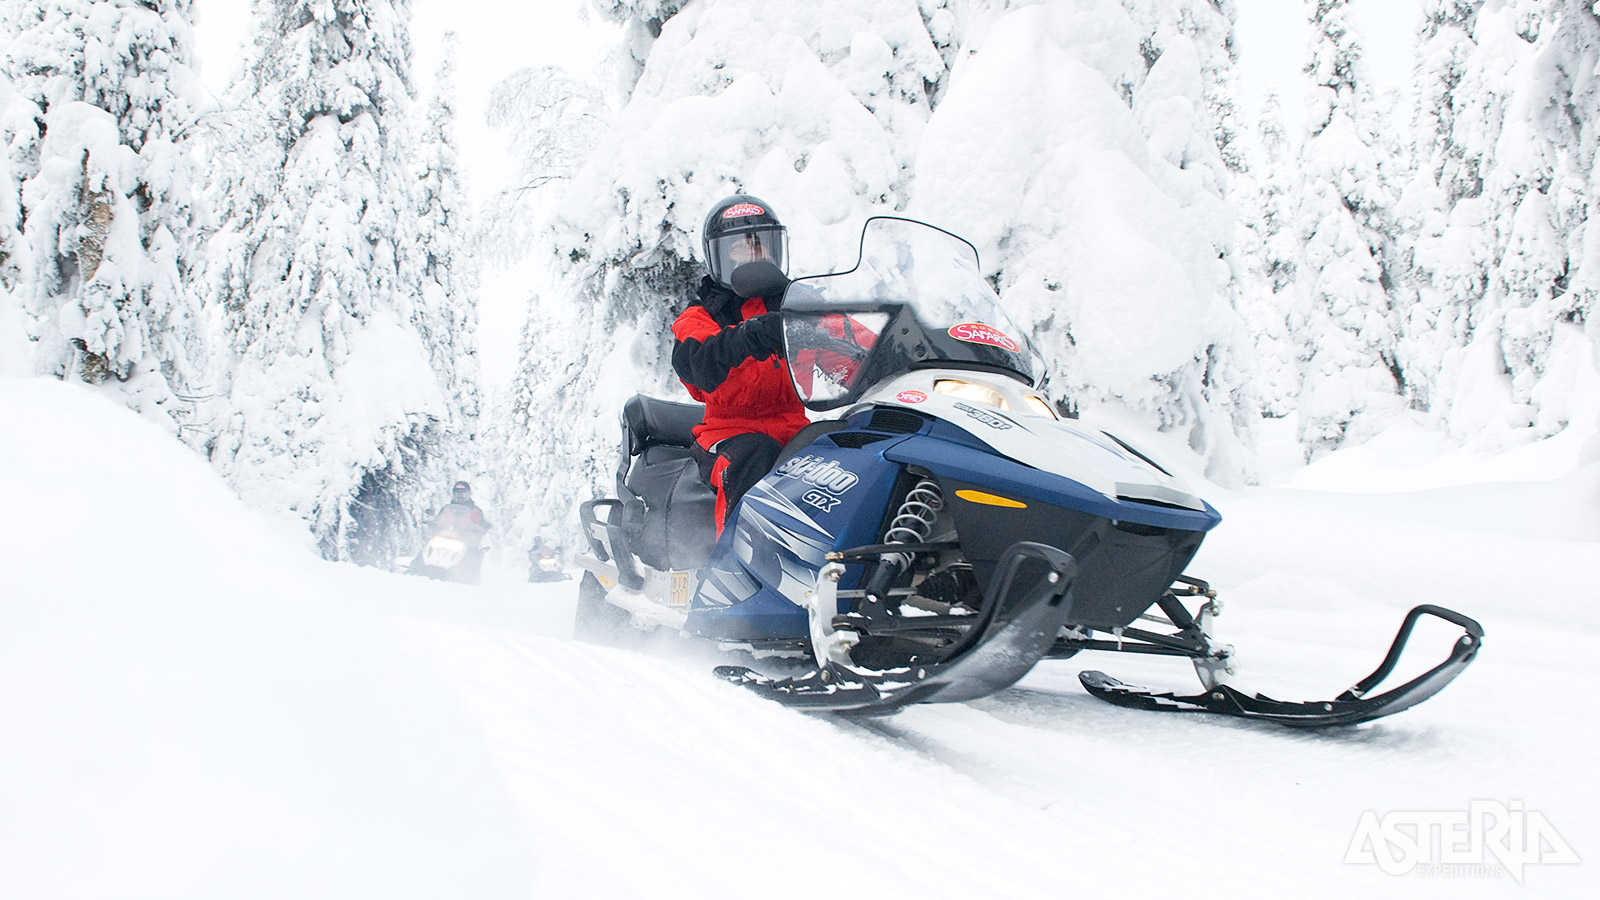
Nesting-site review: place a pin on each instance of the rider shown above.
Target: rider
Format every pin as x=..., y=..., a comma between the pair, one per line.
x=729, y=351
x=466, y=519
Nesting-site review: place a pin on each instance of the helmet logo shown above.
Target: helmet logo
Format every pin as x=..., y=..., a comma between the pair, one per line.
x=977, y=333
x=742, y=209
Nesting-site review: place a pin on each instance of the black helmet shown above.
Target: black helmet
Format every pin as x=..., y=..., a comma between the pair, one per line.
x=461, y=491
x=742, y=229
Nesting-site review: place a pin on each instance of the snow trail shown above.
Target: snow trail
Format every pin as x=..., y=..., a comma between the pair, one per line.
x=195, y=706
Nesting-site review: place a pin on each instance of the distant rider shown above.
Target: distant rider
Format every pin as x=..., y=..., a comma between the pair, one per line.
x=466, y=520
x=728, y=350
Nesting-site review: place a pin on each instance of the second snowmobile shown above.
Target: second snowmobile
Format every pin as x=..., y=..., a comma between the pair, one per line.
x=939, y=537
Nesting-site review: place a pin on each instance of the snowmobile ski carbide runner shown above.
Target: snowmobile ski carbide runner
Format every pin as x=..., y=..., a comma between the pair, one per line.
x=944, y=534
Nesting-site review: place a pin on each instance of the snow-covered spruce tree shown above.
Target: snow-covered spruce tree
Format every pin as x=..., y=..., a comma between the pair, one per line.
x=446, y=315
x=96, y=126
x=1539, y=304
x=815, y=107
x=1354, y=381
x=1441, y=213
x=334, y=408
x=1500, y=207
x=1268, y=207
x=1547, y=267
x=16, y=347
x=1081, y=148
x=551, y=122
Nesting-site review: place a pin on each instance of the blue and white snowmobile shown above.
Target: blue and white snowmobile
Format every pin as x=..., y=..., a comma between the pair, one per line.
x=943, y=534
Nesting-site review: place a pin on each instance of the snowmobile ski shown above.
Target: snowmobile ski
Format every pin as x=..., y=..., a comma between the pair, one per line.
x=1349, y=708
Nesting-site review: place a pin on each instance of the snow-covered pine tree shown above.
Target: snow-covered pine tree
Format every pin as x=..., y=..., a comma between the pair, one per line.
x=551, y=123
x=524, y=433
x=446, y=315
x=97, y=122
x=16, y=348
x=1459, y=108
x=1081, y=146
x=1546, y=255
x=1354, y=381
x=334, y=408
x=1500, y=207
x=1215, y=400
x=1269, y=211
x=815, y=107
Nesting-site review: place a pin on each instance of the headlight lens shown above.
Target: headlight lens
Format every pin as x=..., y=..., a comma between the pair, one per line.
x=1040, y=407
x=976, y=393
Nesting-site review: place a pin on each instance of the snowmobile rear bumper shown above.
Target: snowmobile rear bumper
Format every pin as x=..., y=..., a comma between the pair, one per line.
x=1349, y=708
x=608, y=540
x=1027, y=605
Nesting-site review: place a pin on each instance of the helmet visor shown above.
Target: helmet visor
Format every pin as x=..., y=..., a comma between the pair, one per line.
x=730, y=250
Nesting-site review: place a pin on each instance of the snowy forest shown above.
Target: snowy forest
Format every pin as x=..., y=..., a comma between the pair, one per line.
x=286, y=278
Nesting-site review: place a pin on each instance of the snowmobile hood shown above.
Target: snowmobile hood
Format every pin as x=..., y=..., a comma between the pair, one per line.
x=1025, y=431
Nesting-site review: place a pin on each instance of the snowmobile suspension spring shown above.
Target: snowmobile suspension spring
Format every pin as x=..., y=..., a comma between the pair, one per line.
x=914, y=522
x=911, y=525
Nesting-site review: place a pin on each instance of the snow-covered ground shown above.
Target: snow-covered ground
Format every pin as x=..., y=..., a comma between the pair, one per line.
x=193, y=706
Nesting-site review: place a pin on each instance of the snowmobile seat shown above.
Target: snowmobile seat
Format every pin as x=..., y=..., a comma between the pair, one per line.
x=669, y=510
x=651, y=422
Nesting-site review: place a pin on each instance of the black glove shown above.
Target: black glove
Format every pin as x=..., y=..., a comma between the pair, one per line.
x=764, y=334
x=759, y=279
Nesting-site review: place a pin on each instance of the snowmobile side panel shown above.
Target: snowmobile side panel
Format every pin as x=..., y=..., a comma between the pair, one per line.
x=1002, y=476
x=767, y=560
x=1124, y=567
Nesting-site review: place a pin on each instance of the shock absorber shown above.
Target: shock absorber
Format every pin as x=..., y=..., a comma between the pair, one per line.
x=911, y=525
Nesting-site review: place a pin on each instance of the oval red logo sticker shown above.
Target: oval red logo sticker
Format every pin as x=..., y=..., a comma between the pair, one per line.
x=911, y=397
x=742, y=209
x=977, y=333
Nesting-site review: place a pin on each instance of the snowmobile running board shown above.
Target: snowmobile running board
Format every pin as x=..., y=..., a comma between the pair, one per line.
x=1348, y=708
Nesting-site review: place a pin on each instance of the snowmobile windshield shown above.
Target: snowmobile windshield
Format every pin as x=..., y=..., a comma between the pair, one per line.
x=916, y=299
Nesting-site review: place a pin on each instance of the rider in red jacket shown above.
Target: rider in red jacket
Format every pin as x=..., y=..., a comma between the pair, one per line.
x=729, y=350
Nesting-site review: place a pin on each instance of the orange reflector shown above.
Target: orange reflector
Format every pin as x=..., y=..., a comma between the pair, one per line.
x=990, y=499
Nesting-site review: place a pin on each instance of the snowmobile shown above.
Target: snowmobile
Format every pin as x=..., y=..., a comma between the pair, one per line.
x=948, y=529
x=545, y=567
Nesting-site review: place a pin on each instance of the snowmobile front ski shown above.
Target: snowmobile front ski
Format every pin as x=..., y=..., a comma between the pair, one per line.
x=1028, y=601
x=1349, y=708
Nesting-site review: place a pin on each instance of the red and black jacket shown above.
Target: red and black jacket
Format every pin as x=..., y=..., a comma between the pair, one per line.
x=744, y=385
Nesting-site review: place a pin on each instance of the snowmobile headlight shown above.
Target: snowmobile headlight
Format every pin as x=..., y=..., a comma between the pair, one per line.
x=1037, y=405
x=442, y=552
x=976, y=393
